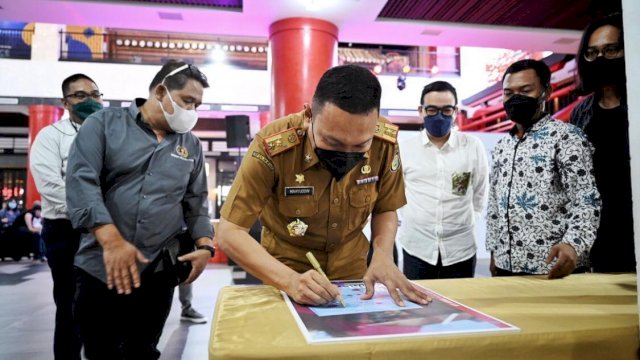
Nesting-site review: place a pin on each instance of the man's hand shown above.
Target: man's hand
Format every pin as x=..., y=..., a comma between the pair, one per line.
x=383, y=270
x=120, y=263
x=566, y=263
x=198, y=259
x=311, y=288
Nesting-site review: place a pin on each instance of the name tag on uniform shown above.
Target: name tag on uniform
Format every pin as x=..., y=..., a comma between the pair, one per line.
x=298, y=190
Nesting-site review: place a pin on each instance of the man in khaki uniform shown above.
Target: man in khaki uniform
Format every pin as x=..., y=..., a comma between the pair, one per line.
x=314, y=178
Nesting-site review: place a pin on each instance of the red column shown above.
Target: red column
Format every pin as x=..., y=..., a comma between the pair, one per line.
x=39, y=117
x=301, y=50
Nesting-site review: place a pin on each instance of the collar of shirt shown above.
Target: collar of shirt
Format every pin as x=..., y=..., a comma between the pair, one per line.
x=308, y=149
x=536, y=126
x=452, y=142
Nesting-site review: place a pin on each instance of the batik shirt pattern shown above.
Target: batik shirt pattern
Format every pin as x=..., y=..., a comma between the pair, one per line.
x=542, y=192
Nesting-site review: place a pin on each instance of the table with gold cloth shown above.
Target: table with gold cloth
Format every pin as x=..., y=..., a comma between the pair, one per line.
x=585, y=316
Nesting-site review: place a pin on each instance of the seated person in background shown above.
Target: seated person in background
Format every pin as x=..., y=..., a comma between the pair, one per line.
x=543, y=200
x=313, y=178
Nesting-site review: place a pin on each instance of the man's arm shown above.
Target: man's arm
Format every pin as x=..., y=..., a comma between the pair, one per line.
x=196, y=216
x=493, y=215
x=575, y=167
x=251, y=189
x=480, y=178
x=382, y=268
x=45, y=163
x=87, y=210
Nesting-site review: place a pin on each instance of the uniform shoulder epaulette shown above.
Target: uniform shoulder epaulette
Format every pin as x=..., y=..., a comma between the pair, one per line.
x=281, y=142
x=386, y=131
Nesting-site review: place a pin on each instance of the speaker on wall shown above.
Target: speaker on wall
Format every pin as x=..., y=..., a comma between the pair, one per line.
x=237, y=127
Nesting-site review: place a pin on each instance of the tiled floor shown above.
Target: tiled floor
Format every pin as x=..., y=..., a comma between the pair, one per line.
x=27, y=313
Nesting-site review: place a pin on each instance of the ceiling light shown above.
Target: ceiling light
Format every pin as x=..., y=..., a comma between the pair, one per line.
x=225, y=47
x=201, y=46
x=172, y=45
x=187, y=46
x=435, y=69
x=377, y=69
x=127, y=42
x=156, y=44
x=406, y=69
x=119, y=42
x=164, y=44
x=232, y=48
x=134, y=42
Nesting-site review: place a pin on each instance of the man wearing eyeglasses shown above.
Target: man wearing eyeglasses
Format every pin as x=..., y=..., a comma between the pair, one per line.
x=603, y=115
x=138, y=176
x=445, y=174
x=48, y=162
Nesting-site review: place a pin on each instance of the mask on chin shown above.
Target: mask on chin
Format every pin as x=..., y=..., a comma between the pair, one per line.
x=522, y=109
x=182, y=120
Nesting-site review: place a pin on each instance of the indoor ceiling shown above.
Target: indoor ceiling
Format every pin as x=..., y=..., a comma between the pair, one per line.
x=533, y=25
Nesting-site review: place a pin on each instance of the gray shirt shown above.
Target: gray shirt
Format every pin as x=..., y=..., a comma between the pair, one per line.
x=118, y=173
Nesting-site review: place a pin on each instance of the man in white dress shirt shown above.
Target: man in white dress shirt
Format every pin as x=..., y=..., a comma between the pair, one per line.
x=445, y=176
x=48, y=162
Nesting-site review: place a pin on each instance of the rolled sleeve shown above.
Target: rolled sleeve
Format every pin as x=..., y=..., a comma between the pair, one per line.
x=85, y=202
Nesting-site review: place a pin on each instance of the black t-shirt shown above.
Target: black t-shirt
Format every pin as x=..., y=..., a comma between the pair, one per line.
x=608, y=131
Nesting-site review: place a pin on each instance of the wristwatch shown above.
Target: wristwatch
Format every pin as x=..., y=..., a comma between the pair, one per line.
x=209, y=248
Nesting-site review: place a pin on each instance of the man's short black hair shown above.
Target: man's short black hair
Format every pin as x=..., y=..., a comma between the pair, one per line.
x=66, y=83
x=439, y=86
x=351, y=88
x=541, y=69
x=586, y=78
x=179, y=80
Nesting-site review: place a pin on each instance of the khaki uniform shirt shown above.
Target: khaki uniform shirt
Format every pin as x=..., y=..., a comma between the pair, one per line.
x=282, y=181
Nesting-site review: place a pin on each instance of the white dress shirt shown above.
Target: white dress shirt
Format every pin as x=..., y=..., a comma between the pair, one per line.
x=48, y=164
x=446, y=190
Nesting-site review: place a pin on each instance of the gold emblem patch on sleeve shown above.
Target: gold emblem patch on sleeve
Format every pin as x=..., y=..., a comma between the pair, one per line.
x=281, y=142
x=263, y=159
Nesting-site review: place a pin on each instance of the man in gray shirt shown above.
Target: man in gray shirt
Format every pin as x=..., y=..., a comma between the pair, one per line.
x=135, y=176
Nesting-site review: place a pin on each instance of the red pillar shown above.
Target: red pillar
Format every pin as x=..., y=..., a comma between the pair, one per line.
x=301, y=50
x=265, y=117
x=39, y=117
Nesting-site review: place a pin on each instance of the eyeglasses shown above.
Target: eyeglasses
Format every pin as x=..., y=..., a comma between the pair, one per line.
x=81, y=95
x=434, y=110
x=609, y=51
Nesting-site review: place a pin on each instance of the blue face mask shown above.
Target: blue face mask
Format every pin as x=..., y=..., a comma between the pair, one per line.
x=438, y=125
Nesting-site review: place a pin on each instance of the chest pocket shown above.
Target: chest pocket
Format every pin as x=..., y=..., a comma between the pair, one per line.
x=361, y=200
x=180, y=169
x=298, y=206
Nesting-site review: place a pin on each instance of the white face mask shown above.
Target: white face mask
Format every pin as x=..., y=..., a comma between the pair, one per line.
x=182, y=120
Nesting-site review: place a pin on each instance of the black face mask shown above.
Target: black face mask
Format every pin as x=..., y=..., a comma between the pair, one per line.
x=608, y=71
x=339, y=163
x=522, y=109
